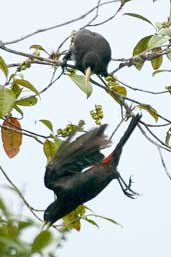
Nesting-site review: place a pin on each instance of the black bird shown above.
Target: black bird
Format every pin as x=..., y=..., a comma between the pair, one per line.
x=73, y=185
x=91, y=52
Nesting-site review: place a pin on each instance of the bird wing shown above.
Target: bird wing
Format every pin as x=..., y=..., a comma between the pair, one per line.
x=73, y=157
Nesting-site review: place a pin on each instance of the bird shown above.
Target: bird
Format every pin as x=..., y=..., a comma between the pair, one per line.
x=79, y=171
x=91, y=53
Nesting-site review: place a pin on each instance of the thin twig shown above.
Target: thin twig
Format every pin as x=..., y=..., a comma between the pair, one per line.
x=59, y=25
x=20, y=194
x=163, y=163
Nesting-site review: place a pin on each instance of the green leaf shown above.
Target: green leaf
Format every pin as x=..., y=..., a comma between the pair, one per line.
x=153, y=112
x=37, y=47
x=157, y=41
x=91, y=222
x=157, y=62
x=19, y=111
x=138, y=16
x=41, y=241
x=7, y=100
x=79, y=80
x=25, y=224
x=142, y=45
x=26, y=84
x=27, y=101
x=106, y=218
x=48, y=124
x=3, y=67
x=168, y=135
x=3, y=208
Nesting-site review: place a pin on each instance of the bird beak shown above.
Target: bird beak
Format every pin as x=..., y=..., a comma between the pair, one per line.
x=46, y=225
x=88, y=73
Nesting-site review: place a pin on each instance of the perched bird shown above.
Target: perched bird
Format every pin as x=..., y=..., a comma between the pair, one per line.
x=79, y=171
x=91, y=52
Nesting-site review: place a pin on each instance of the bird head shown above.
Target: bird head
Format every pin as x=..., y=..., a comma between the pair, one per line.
x=51, y=214
x=91, y=62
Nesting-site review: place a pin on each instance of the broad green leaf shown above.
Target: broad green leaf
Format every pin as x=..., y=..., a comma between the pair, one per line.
x=138, y=16
x=168, y=135
x=157, y=41
x=27, y=101
x=48, y=124
x=150, y=110
x=157, y=62
x=7, y=100
x=26, y=84
x=49, y=149
x=11, y=139
x=3, y=67
x=142, y=45
x=79, y=80
x=41, y=241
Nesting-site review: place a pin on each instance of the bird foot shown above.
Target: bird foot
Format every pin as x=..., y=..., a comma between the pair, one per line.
x=126, y=188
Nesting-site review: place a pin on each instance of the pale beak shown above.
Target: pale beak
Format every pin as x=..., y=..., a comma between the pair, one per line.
x=88, y=73
x=46, y=225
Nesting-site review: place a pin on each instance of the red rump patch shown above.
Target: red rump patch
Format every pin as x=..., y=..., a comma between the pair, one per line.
x=107, y=159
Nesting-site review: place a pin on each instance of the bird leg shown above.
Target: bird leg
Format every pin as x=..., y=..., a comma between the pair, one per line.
x=126, y=188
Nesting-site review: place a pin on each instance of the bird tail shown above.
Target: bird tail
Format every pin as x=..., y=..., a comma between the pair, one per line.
x=115, y=155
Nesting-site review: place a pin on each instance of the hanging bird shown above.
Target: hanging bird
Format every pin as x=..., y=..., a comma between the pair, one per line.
x=79, y=171
x=91, y=52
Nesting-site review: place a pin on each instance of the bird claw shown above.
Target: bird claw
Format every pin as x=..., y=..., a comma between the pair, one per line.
x=126, y=188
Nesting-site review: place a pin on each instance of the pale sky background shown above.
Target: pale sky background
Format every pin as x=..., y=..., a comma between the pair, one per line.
x=146, y=221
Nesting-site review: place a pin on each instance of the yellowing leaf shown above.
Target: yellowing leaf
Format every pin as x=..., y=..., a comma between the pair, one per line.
x=150, y=110
x=3, y=66
x=119, y=89
x=11, y=139
x=37, y=47
x=72, y=220
x=49, y=149
x=79, y=80
x=7, y=100
x=157, y=62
